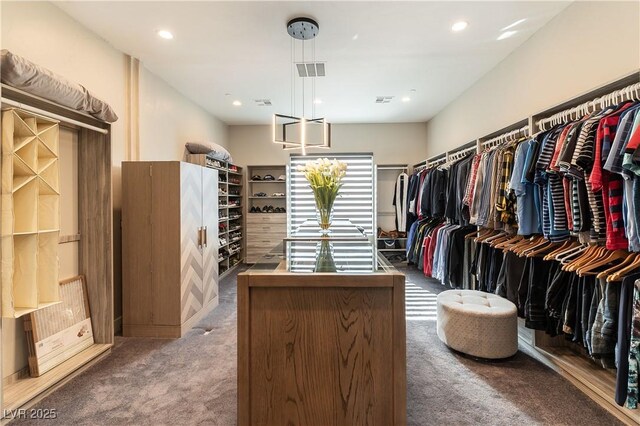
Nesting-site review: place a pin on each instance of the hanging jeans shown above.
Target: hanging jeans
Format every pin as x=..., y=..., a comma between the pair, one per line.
x=604, y=332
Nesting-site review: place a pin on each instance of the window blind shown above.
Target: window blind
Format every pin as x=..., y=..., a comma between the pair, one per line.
x=356, y=201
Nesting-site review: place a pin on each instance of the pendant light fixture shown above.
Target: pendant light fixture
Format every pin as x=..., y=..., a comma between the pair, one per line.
x=295, y=130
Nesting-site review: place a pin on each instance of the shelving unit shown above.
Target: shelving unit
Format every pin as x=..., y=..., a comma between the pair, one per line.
x=31, y=233
x=386, y=176
x=30, y=182
x=265, y=230
x=230, y=205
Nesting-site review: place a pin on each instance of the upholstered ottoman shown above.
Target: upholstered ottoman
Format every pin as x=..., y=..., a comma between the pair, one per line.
x=476, y=323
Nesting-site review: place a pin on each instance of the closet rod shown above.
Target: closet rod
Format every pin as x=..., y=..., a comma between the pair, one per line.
x=523, y=131
x=631, y=92
x=50, y=115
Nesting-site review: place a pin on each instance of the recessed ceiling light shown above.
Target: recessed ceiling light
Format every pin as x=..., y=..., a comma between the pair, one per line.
x=506, y=34
x=406, y=99
x=518, y=22
x=165, y=34
x=237, y=103
x=459, y=26
x=317, y=101
x=355, y=37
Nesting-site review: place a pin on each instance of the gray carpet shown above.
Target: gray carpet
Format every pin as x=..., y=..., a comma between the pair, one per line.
x=192, y=380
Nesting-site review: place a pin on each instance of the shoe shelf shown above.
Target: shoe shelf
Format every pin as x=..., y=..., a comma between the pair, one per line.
x=230, y=179
x=268, y=223
x=30, y=191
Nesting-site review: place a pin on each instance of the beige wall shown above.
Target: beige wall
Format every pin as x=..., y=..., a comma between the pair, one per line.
x=44, y=34
x=390, y=143
x=166, y=115
x=587, y=45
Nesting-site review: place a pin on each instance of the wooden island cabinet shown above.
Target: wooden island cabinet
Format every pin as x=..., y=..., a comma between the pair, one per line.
x=321, y=348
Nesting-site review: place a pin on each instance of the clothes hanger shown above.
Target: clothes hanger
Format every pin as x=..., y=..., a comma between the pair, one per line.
x=620, y=274
x=496, y=237
x=488, y=235
x=611, y=256
x=615, y=268
x=524, y=243
x=519, y=248
x=550, y=246
x=568, y=256
x=565, y=246
x=509, y=242
x=494, y=242
x=483, y=232
x=568, y=259
x=585, y=259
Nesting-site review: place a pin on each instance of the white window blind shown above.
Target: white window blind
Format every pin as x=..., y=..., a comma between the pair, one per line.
x=356, y=200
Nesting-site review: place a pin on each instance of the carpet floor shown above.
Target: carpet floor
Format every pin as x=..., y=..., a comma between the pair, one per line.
x=192, y=381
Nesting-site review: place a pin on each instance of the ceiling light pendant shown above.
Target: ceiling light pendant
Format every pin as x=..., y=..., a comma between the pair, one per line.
x=299, y=132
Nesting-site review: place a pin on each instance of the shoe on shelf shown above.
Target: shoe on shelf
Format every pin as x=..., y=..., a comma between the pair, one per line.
x=265, y=209
x=268, y=177
x=260, y=194
x=256, y=177
x=278, y=194
x=282, y=178
x=270, y=209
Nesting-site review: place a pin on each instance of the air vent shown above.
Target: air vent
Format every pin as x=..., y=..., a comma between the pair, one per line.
x=383, y=99
x=263, y=102
x=311, y=69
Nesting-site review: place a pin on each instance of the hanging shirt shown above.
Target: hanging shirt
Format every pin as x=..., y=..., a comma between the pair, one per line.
x=400, y=202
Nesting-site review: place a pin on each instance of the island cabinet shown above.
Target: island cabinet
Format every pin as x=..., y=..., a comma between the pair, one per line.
x=321, y=348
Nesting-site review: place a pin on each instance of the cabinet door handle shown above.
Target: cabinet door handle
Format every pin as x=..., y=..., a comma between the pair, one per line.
x=200, y=237
x=206, y=235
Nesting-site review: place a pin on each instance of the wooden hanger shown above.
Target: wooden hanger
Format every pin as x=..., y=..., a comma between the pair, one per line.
x=511, y=241
x=532, y=242
x=495, y=241
x=609, y=256
x=565, y=246
x=629, y=259
x=483, y=232
x=570, y=253
x=617, y=276
x=594, y=252
x=542, y=249
x=486, y=236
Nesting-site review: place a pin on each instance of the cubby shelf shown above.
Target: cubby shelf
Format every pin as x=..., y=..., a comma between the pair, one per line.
x=31, y=233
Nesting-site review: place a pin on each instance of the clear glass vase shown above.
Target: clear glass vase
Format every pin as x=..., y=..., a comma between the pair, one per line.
x=324, y=215
x=324, y=257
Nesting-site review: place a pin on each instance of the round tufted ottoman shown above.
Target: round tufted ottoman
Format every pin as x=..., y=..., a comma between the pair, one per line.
x=476, y=323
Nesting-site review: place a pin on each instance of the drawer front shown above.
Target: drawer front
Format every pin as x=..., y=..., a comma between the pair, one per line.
x=275, y=229
x=262, y=243
x=266, y=218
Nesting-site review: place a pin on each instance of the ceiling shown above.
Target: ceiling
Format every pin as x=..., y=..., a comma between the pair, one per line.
x=227, y=51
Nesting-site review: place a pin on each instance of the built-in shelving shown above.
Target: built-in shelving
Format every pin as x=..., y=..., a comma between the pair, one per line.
x=230, y=186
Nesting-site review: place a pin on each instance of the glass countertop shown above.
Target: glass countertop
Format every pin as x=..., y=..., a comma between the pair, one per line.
x=344, y=250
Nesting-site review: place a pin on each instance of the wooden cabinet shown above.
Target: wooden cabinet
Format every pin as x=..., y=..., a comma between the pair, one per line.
x=321, y=349
x=230, y=205
x=264, y=232
x=169, y=246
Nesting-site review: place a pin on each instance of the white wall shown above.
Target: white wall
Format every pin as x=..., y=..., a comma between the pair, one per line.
x=166, y=115
x=587, y=45
x=42, y=33
x=390, y=143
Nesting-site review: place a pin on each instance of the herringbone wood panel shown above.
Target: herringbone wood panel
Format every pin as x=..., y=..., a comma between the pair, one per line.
x=191, y=257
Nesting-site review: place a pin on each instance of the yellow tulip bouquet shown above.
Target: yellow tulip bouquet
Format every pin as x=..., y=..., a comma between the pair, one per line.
x=325, y=178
